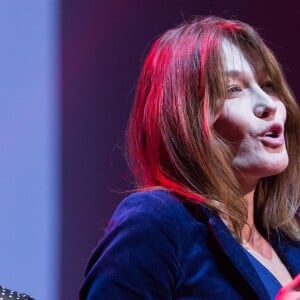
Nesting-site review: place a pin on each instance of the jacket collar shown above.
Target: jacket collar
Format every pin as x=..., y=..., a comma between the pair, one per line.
x=236, y=254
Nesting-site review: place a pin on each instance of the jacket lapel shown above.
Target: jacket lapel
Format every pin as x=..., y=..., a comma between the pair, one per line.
x=235, y=252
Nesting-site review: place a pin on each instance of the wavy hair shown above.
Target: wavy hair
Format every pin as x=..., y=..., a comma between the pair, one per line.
x=171, y=142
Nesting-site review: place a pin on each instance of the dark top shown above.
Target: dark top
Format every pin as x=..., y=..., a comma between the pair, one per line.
x=155, y=247
x=6, y=294
x=271, y=283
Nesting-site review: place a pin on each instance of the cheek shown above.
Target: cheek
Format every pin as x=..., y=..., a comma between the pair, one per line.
x=232, y=122
x=230, y=128
x=282, y=111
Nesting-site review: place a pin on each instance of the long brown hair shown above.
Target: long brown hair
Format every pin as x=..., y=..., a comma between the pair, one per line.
x=171, y=142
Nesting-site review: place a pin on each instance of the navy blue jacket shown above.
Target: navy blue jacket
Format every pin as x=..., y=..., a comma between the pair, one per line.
x=155, y=247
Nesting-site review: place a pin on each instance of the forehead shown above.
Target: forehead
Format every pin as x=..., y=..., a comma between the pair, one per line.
x=234, y=60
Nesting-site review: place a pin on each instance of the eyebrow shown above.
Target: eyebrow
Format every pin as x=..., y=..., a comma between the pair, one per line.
x=236, y=73
x=243, y=75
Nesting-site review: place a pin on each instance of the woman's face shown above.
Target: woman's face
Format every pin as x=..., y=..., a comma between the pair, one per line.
x=252, y=120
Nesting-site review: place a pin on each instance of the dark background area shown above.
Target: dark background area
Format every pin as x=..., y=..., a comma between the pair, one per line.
x=103, y=43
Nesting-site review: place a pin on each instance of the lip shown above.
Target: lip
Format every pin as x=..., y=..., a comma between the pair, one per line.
x=272, y=142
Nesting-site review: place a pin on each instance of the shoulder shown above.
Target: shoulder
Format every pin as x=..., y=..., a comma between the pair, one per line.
x=152, y=199
x=149, y=233
x=155, y=222
x=157, y=207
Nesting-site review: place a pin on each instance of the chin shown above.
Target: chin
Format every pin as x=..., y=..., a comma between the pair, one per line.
x=271, y=169
x=275, y=171
x=277, y=166
x=263, y=168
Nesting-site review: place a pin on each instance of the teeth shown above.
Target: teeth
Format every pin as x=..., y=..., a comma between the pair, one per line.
x=274, y=132
x=271, y=134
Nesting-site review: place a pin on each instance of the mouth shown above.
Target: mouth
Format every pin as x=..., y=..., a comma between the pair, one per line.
x=273, y=136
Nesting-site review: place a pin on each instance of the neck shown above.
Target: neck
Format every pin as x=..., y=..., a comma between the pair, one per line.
x=249, y=229
x=250, y=234
x=251, y=237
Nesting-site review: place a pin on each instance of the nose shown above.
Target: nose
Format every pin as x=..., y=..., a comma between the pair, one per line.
x=265, y=107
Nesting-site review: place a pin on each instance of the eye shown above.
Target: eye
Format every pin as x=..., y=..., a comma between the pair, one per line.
x=268, y=87
x=233, y=91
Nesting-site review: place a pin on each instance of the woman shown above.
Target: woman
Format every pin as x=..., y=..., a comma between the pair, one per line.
x=213, y=143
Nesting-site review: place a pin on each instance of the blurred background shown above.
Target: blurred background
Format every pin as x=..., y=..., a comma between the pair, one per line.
x=68, y=71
